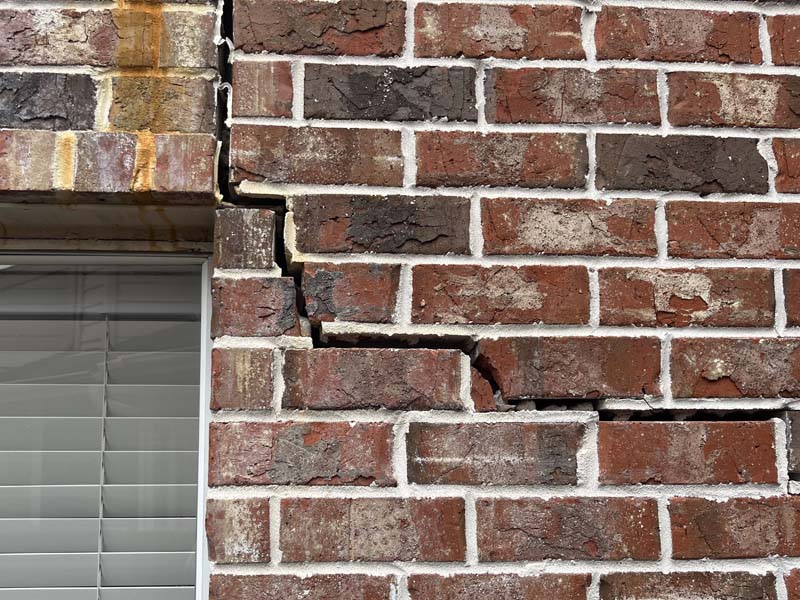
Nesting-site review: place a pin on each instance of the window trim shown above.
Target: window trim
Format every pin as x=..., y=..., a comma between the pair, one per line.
x=202, y=573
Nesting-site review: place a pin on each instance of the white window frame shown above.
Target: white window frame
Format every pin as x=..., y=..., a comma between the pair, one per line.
x=202, y=575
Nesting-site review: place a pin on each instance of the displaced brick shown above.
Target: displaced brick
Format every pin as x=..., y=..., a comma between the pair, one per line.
x=734, y=229
x=787, y=154
x=567, y=528
x=315, y=155
x=262, y=89
x=26, y=160
x=571, y=96
x=390, y=93
x=630, y=33
x=499, y=587
x=47, y=101
x=784, y=33
x=385, y=224
x=735, y=528
x=354, y=27
x=681, y=297
x=566, y=367
x=687, y=453
x=312, y=587
x=238, y=530
x=481, y=392
x=791, y=292
x=736, y=368
x=256, y=306
x=241, y=378
x=244, y=238
x=457, y=158
x=734, y=100
x=500, y=294
x=493, y=453
x=710, y=586
x=185, y=163
x=350, y=292
x=700, y=164
x=105, y=162
x=792, y=419
x=372, y=529
x=495, y=31
x=551, y=226
x=162, y=104
x=352, y=378
x=300, y=454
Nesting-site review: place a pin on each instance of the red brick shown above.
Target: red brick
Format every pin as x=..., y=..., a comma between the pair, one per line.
x=393, y=378
x=350, y=292
x=256, y=306
x=484, y=31
x=573, y=227
x=677, y=35
x=105, y=162
x=238, y=530
x=244, y=238
x=735, y=368
x=493, y=453
x=300, y=454
x=734, y=100
x=27, y=160
x=241, y=378
x=499, y=587
x=313, y=587
x=681, y=297
x=735, y=528
x=315, y=155
x=571, y=96
x=481, y=392
x=567, y=367
x=185, y=163
x=456, y=158
x=262, y=89
x=567, y=528
x=734, y=229
x=791, y=291
x=500, y=294
x=687, y=453
x=382, y=224
x=372, y=529
x=787, y=153
x=352, y=27
x=709, y=586
x=784, y=33
x=793, y=584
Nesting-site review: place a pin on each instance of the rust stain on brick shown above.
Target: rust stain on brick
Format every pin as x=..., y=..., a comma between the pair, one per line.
x=64, y=161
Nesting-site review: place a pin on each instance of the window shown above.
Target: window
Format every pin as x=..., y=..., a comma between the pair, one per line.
x=99, y=431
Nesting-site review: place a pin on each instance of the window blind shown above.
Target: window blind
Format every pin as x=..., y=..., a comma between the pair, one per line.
x=99, y=408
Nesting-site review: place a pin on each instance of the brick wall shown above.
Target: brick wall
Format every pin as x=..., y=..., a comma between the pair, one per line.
x=506, y=302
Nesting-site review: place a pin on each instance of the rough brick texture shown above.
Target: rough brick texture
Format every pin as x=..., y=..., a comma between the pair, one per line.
x=502, y=587
x=317, y=587
x=722, y=586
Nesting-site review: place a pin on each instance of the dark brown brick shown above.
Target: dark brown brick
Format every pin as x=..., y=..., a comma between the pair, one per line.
x=571, y=96
x=315, y=155
x=313, y=587
x=565, y=367
x=256, y=306
x=493, y=453
x=567, y=528
x=390, y=93
x=352, y=378
x=484, y=31
x=787, y=153
x=700, y=164
x=384, y=224
x=735, y=528
x=681, y=297
x=500, y=294
x=735, y=368
x=354, y=27
x=456, y=158
x=573, y=227
x=687, y=453
x=244, y=238
x=350, y=292
x=709, y=586
x=300, y=454
x=499, y=587
x=367, y=529
x=53, y=101
x=784, y=33
x=792, y=419
x=262, y=89
x=630, y=33
x=238, y=530
x=791, y=291
x=241, y=378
